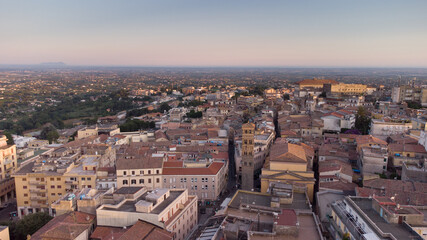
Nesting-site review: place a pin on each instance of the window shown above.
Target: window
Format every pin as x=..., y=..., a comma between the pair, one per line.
x=158, y=180
x=133, y=181
x=149, y=171
x=157, y=171
x=141, y=172
x=25, y=195
x=124, y=173
x=52, y=194
x=24, y=179
x=52, y=186
x=24, y=187
x=125, y=182
x=58, y=179
x=195, y=187
x=52, y=179
x=133, y=172
x=83, y=179
x=164, y=180
x=149, y=180
x=141, y=181
x=26, y=202
x=59, y=186
x=88, y=178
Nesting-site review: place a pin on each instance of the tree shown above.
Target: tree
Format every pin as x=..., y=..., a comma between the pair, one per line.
x=363, y=121
x=9, y=138
x=49, y=133
x=164, y=107
x=28, y=225
x=194, y=114
x=414, y=105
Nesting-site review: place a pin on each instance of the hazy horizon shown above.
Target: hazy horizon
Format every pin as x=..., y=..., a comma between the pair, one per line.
x=190, y=33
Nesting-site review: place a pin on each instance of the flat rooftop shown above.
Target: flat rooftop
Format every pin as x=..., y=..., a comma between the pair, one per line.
x=245, y=197
x=127, y=190
x=129, y=205
x=397, y=230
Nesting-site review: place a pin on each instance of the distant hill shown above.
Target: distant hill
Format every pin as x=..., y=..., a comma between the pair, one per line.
x=54, y=64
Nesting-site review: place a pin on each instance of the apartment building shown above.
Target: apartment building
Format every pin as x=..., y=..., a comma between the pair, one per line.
x=345, y=89
x=338, y=120
x=8, y=165
x=411, y=153
x=407, y=93
x=43, y=181
x=383, y=129
x=373, y=160
x=204, y=180
x=171, y=209
x=137, y=166
x=373, y=218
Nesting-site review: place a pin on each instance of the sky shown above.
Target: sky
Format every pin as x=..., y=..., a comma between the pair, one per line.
x=297, y=33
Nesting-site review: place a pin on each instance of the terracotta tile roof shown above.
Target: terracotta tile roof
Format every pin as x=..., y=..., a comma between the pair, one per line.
x=107, y=233
x=287, y=152
x=147, y=231
x=213, y=169
x=142, y=162
x=333, y=150
x=364, y=139
x=65, y=226
x=417, y=148
x=406, y=193
x=330, y=165
x=339, y=185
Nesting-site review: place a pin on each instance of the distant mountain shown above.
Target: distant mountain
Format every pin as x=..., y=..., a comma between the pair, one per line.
x=54, y=64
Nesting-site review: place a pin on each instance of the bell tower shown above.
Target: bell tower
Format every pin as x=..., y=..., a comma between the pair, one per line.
x=248, y=156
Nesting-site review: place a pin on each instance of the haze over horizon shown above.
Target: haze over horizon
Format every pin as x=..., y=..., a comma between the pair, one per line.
x=197, y=33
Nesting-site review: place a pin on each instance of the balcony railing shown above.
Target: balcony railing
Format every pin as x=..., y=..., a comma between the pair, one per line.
x=349, y=221
x=33, y=198
x=37, y=190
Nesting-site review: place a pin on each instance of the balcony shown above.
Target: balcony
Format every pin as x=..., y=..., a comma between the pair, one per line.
x=36, y=198
x=38, y=183
x=37, y=190
x=348, y=220
x=7, y=161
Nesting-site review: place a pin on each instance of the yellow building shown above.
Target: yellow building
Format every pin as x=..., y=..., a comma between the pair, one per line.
x=87, y=132
x=287, y=163
x=43, y=181
x=315, y=83
x=348, y=89
x=4, y=233
x=8, y=166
